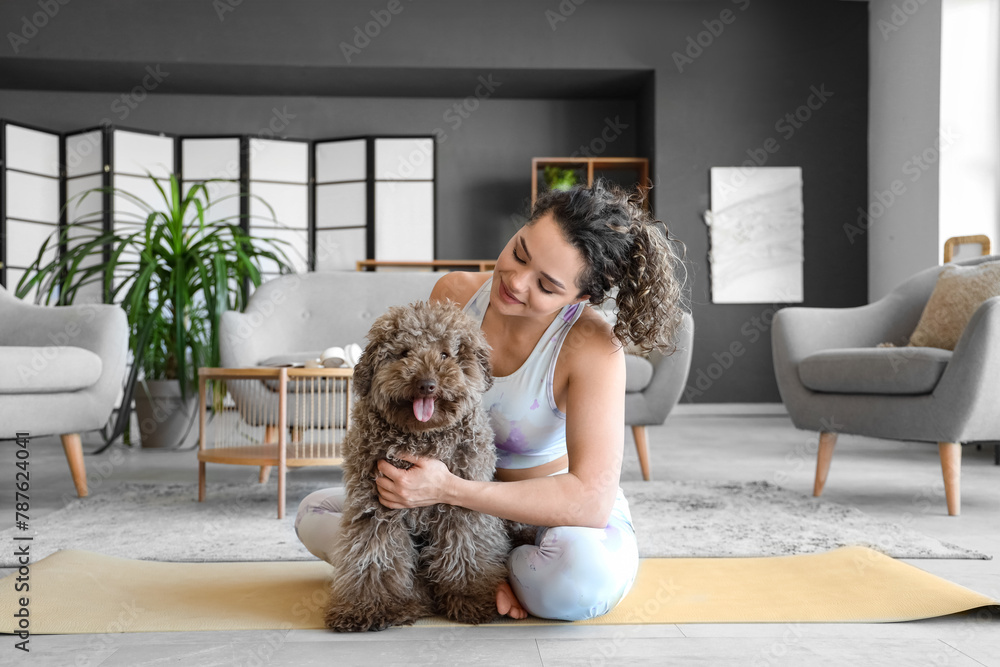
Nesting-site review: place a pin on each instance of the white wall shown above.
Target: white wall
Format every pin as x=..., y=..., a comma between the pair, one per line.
x=904, y=112
x=969, y=167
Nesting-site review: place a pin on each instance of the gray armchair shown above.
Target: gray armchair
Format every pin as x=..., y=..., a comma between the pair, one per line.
x=653, y=387
x=833, y=379
x=61, y=370
x=302, y=314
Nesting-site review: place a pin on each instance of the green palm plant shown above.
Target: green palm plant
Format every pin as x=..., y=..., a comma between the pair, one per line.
x=173, y=272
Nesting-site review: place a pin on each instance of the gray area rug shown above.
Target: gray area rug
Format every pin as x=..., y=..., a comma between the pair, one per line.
x=164, y=522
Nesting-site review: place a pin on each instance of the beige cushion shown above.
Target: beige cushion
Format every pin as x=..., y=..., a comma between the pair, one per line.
x=47, y=369
x=960, y=290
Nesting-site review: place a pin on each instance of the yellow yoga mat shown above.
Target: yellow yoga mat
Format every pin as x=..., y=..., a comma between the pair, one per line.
x=82, y=592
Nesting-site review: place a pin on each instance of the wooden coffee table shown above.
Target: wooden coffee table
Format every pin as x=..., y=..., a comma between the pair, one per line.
x=267, y=417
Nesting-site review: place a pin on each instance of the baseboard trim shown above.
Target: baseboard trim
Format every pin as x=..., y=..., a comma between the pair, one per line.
x=730, y=409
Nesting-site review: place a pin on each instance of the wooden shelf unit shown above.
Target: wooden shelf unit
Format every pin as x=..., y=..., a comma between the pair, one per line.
x=433, y=264
x=592, y=165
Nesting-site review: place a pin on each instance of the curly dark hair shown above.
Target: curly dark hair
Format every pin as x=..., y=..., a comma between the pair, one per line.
x=624, y=247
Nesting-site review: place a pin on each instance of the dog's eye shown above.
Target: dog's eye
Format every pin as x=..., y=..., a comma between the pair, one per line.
x=445, y=355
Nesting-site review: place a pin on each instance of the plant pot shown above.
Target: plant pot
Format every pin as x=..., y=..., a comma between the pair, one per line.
x=165, y=419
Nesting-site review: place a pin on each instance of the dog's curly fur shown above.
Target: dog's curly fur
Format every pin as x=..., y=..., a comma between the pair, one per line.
x=395, y=566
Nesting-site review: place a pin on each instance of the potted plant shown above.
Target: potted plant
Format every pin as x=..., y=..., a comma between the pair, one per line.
x=559, y=178
x=174, y=273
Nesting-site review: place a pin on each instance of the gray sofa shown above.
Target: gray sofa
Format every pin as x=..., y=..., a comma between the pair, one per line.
x=61, y=370
x=833, y=379
x=303, y=314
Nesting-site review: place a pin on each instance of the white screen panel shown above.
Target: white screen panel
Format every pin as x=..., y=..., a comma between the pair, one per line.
x=286, y=161
x=83, y=153
x=295, y=247
x=404, y=159
x=203, y=159
x=137, y=153
x=86, y=205
x=339, y=249
x=404, y=221
x=222, y=202
x=25, y=239
x=32, y=197
x=126, y=209
x=341, y=205
x=289, y=202
x=31, y=150
x=341, y=161
x=82, y=233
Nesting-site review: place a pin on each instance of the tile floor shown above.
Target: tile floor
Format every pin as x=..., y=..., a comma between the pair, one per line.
x=895, y=481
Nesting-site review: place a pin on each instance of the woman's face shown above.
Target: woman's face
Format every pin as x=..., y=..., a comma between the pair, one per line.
x=536, y=273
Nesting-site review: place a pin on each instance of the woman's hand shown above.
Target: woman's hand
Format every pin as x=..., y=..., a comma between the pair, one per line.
x=424, y=484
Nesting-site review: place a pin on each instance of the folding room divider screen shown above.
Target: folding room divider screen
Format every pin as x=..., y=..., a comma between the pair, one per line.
x=31, y=189
x=334, y=201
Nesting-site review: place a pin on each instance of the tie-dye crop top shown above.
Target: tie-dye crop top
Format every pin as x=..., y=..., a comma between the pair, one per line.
x=529, y=429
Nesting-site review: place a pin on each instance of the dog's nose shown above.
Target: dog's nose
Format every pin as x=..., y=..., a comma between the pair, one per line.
x=427, y=387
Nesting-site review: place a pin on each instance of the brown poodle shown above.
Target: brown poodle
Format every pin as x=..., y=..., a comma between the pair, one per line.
x=419, y=387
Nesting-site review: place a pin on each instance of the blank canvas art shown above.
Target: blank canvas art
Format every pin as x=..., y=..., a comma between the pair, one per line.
x=755, y=231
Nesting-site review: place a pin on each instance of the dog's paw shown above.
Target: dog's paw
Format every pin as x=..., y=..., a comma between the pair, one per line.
x=355, y=618
x=474, y=609
x=347, y=620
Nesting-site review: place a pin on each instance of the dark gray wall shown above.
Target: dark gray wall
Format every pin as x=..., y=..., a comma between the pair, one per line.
x=728, y=100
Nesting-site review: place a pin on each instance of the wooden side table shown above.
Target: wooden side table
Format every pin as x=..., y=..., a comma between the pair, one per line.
x=266, y=417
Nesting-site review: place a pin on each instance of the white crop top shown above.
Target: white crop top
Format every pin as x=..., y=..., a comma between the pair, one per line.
x=529, y=429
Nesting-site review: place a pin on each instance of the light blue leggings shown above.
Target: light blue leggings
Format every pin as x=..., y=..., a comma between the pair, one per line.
x=570, y=573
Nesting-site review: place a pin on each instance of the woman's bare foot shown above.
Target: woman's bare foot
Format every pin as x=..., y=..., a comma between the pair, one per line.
x=507, y=604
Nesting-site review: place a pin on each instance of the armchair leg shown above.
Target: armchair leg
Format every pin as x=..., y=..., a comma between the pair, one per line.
x=827, y=441
x=265, y=474
x=74, y=455
x=642, y=449
x=951, y=468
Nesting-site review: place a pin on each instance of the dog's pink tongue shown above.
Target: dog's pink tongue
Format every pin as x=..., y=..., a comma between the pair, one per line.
x=423, y=408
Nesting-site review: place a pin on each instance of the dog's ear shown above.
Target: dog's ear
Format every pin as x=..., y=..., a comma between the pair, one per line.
x=363, y=370
x=374, y=354
x=474, y=352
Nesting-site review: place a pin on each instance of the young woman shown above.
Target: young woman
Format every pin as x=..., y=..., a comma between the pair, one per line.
x=557, y=404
